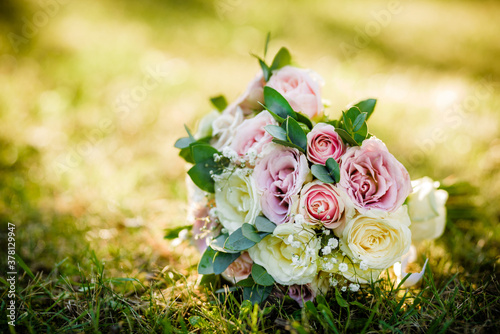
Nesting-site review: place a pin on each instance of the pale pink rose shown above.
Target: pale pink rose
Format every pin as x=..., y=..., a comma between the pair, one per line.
x=373, y=178
x=300, y=88
x=322, y=204
x=239, y=269
x=279, y=176
x=249, y=100
x=301, y=293
x=251, y=134
x=203, y=226
x=324, y=143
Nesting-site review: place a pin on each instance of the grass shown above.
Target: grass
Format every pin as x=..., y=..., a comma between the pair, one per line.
x=90, y=178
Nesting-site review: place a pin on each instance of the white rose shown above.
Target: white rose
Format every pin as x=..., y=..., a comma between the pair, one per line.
x=427, y=209
x=289, y=255
x=378, y=238
x=205, y=125
x=236, y=199
x=224, y=128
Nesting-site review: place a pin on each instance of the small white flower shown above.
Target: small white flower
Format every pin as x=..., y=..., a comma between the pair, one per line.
x=295, y=244
x=363, y=265
x=309, y=251
x=299, y=219
x=354, y=287
x=230, y=153
x=289, y=239
x=295, y=260
x=321, y=208
x=333, y=260
x=343, y=267
x=327, y=232
x=333, y=281
x=327, y=266
x=344, y=288
x=333, y=243
x=223, y=230
x=326, y=250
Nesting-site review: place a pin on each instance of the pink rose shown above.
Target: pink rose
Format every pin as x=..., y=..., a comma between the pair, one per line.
x=299, y=88
x=279, y=177
x=373, y=178
x=239, y=269
x=251, y=134
x=301, y=293
x=322, y=203
x=323, y=143
x=249, y=100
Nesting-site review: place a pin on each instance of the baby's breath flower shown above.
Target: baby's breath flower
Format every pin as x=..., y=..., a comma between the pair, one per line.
x=343, y=267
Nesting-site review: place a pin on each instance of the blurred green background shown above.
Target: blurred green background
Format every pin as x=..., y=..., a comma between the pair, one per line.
x=95, y=93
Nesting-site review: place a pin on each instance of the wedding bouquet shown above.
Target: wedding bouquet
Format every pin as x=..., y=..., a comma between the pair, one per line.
x=283, y=196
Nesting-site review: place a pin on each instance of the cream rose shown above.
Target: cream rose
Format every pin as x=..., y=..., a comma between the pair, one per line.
x=224, y=128
x=240, y=269
x=289, y=255
x=378, y=238
x=426, y=206
x=236, y=199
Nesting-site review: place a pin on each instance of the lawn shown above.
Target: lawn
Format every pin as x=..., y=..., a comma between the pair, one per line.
x=95, y=94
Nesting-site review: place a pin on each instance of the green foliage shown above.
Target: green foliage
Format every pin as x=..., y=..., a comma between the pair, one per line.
x=277, y=104
x=352, y=126
x=219, y=102
x=329, y=173
x=262, y=224
x=260, y=276
x=205, y=166
x=172, y=233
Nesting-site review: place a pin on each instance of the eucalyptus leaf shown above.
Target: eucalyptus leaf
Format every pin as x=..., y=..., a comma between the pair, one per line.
x=264, y=225
x=206, y=265
x=200, y=175
x=238, y=242
x=189, y=132
x=360, y=120
x=223, y=260
x=219, y=102
x=346, y=137
x=321, y=173
x=367, y=106
x=333, y=169
x=257, y=293
x=218, y=244
x=250, y=232
x=260, y=275
x=286, y=143
x=247, y=282
x=295, y=134
x=183, y=142
x=282, y=59
x=276, y=103
x=276, y=131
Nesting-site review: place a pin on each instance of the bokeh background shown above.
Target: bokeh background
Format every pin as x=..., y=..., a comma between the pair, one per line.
x=93, y=95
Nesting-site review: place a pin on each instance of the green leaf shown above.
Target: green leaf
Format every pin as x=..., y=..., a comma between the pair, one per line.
x=250, y=232
x=238, y=242
x=264, y=225
x=260, y=275
x=218, y=244
x=189, y=132
x=268, y=38
x=276, y=131
x=361, y=134
x=210, y=281
x=367, y=106
x=206, y=265
x=304, y=119
x=286, y=143
x=341, y=301
x=321, y=173
x=276, y=103
x=257, y=294
x=247, y=282
x=333, y=169
x=295, y=134
x=172, y=233
x=266, y=71
x=223, y=260
x=183, y=142
x=333, y=123
x=309, y=305
x=23, y=265
x=203, y=153
x=282, y=59
x=219, y=102
x=346, y=137
x=359, y=121
x=200, y=175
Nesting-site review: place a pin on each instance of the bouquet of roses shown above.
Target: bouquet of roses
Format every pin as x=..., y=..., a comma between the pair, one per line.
x=282, y=196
